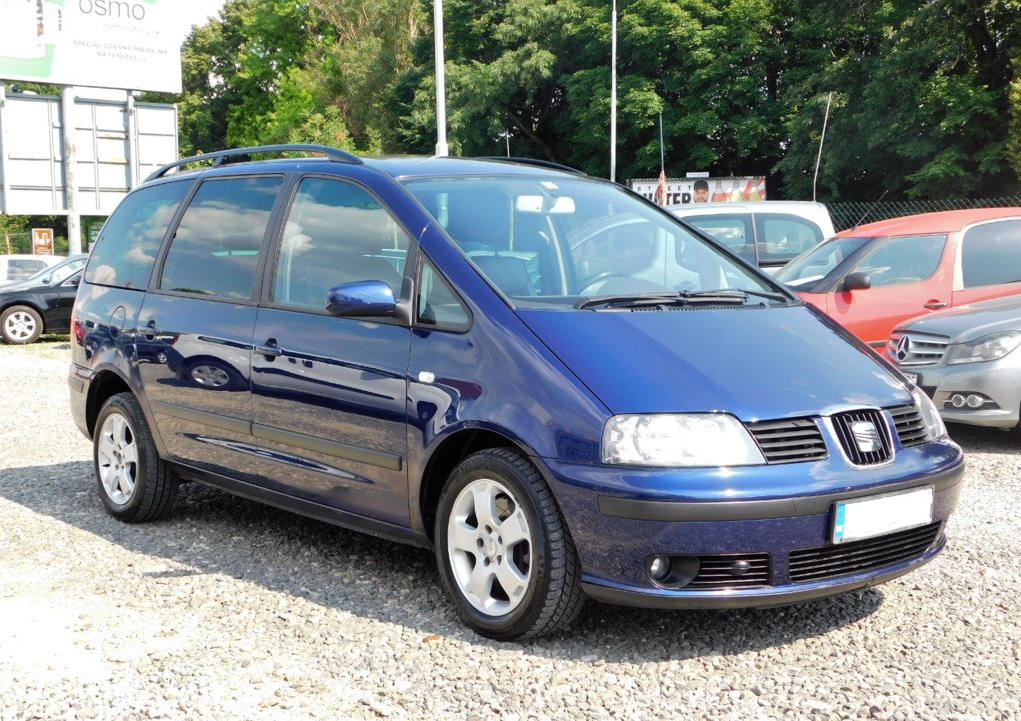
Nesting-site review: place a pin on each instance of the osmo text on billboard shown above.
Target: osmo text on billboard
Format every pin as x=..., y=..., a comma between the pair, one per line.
x=125, y=44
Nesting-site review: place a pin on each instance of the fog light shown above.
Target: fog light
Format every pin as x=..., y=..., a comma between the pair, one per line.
x=975, y=401
x=659, y=567
x=957, y=400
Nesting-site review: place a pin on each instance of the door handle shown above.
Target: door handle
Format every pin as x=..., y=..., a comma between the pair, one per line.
x=269, y=349
x=150, y=330
x=935, y=305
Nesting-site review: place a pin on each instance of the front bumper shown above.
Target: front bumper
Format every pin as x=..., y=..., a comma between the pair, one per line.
x=616, y=534
x=999, y=381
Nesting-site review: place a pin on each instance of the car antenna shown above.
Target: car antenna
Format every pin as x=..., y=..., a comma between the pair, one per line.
x=870, y=209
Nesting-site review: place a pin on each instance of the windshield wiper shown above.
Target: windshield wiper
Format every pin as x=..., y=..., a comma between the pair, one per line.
x=778, y=297
x=647, y=300
x=722, y=296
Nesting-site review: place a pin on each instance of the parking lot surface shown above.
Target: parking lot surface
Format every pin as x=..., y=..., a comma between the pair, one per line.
x=233, y=610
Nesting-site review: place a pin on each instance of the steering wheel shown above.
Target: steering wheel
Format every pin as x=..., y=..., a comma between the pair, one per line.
x=602, y=275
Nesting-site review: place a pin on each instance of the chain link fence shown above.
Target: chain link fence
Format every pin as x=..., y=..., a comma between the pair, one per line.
x=849, y=215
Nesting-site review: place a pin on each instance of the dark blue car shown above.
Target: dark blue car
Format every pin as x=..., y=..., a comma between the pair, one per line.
x=562, y=389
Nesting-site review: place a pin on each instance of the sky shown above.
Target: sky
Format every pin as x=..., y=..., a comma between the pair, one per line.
x=194, y=12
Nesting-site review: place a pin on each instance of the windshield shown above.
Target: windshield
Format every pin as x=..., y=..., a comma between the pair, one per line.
x=804, y=272
x=554, y=241
x=56, y=273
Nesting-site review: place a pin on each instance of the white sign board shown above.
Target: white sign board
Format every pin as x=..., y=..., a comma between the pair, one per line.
x=118, y=143
x=127, y=44
x=681, y=191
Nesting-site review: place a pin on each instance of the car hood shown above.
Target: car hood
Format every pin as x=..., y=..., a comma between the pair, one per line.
x=757, y=363
x=968, y=322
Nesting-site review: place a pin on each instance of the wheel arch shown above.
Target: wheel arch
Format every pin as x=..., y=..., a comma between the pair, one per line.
x=451, y=451
x=104, y=384
x=21, y=301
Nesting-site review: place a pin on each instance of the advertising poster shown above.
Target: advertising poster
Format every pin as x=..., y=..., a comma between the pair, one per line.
x=124, y=44
x=683, y=191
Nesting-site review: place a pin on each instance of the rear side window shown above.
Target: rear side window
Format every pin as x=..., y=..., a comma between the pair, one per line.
x=216, y=247
x=126, y=249
x=336, y=233
x=782, y=237
x=991, y=254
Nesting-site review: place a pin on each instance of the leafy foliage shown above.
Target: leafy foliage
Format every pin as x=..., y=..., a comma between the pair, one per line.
x=926, y=96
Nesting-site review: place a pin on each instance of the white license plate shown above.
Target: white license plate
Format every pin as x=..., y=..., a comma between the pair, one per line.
x=876, y=515
x=913, y=377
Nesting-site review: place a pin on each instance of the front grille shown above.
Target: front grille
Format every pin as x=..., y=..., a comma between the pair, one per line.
x=864, y=437
x=789, y=441
x=845, y=559
x=921, y=349
x=909, y=424
x=716, y=573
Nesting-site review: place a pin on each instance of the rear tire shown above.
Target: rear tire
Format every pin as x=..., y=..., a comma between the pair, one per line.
x=504, y=553
x=134, y=482
x=20, y=325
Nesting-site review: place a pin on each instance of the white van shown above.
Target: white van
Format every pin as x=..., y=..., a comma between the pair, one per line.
x=14, y=268
x=767, y=233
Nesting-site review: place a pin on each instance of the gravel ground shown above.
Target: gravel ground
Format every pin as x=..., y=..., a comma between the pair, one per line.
x=231, y=610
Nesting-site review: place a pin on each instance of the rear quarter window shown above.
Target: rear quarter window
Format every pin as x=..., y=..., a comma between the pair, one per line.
x=126, y=249
x=734, y=231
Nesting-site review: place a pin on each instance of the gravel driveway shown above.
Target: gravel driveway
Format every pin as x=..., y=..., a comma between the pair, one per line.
x=230, y=610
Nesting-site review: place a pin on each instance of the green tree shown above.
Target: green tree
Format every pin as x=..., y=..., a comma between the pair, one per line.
x=920, y=97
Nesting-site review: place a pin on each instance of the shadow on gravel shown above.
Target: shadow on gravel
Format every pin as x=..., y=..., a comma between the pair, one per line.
x=977, y=439
x=213, y=532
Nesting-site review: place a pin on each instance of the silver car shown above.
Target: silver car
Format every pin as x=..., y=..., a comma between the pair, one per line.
x=964, y=358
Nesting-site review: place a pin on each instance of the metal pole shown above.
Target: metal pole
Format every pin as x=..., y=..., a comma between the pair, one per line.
x=5, y=190
x=818, y=157
x=74, y=232
x=441, y=87
x=662, y=156
x=613, y=95
x=133, y=171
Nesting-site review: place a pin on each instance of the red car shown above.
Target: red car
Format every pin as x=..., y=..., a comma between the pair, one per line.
x=872, y=277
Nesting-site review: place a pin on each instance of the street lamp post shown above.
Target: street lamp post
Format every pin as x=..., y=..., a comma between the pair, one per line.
x=613, y=95
x=441, y=89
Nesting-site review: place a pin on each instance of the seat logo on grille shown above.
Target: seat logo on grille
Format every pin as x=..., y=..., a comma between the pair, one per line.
x=866, y=435
x=903, y=347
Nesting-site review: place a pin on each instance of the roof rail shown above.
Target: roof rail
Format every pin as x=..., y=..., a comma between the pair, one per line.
x=222, y=157
x=533, y=161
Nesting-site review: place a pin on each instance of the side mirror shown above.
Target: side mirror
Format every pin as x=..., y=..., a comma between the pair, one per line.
x=362, y=298
x=75, y=280
x=858, y=280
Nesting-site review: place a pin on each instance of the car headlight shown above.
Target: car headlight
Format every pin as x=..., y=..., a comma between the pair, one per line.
x=930, y=415
x=679, y=440
x=987, y=348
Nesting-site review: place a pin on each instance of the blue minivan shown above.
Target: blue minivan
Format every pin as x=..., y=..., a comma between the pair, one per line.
x=561, y=388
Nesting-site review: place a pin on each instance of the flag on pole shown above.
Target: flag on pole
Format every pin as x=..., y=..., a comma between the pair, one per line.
x=661, y=189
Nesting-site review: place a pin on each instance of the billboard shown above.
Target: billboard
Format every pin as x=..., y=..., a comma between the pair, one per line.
x=117, y=143
x=681, y=191
x=125, y=44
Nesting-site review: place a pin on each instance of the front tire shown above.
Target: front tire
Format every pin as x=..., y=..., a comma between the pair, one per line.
x=504, y=552
x=20, y=325
x=134, y=482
